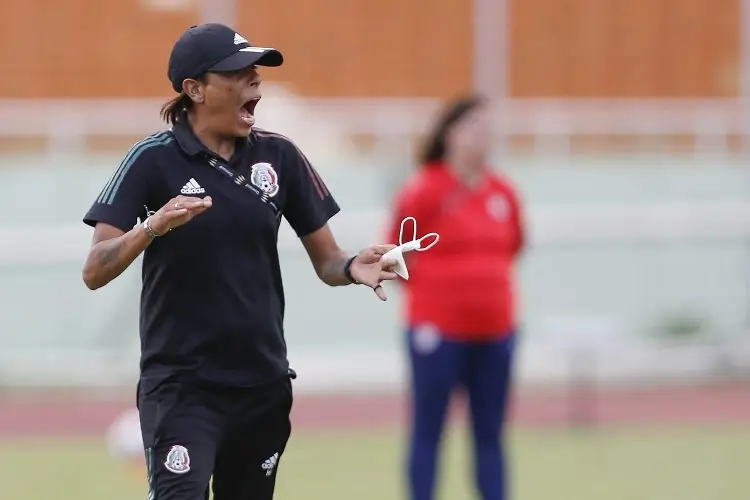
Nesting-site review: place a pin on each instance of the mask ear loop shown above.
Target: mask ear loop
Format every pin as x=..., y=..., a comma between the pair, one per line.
x=420, y=248
x=414, y=243
x=401, y=232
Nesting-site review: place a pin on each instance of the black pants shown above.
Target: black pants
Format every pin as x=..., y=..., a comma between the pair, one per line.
x=192, y=432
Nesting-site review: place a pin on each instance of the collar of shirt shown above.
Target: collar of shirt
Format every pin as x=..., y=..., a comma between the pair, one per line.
x=445, y=173
x=192, y=145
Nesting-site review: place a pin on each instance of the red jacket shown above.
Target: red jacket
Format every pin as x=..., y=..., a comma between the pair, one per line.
x=464, y=285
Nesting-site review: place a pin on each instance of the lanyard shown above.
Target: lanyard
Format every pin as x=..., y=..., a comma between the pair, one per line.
x=266, y=189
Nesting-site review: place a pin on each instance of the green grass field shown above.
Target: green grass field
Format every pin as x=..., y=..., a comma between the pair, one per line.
x=660, y=463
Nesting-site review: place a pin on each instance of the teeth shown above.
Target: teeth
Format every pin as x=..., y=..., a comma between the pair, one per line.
x=250, y=120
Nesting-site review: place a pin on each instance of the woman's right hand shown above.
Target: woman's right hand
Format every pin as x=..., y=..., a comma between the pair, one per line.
x=177, y=212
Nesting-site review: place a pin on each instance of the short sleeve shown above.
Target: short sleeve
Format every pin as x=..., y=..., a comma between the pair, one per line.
x=308, y=205
x=123, y=198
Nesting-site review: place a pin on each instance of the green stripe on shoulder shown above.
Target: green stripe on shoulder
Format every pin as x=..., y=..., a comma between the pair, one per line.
x=115, y=181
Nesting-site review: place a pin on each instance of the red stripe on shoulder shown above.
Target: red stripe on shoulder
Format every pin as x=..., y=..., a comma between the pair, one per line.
x=320, y=186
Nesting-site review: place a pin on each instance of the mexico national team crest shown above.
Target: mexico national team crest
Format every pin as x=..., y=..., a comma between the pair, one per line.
x=498, y=207
x=264, y=177
x=178, y=460
x=425, y=339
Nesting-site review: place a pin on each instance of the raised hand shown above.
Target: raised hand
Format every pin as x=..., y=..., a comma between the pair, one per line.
x=369, y=268
x=177, y=212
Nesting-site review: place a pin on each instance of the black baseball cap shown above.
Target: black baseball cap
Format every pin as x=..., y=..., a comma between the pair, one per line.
x=218, y=48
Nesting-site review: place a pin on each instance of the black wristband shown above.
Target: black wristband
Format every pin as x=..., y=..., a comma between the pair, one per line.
x=348, y=269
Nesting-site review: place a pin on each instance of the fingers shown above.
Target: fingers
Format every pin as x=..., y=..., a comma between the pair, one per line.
x=388, y=275
x=199, y=210
x=186, y=205
x=381, y=249
x=175, y=214
x=181, y=209
x=184, y=199
x=190, y=203
x=380, y=293
x=388, y=264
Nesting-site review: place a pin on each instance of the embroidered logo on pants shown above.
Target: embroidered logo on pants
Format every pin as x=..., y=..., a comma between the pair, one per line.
x=426, y=339
x=178, y=460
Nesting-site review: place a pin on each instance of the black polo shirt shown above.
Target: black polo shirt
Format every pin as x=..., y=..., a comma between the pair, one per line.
x=212, y=303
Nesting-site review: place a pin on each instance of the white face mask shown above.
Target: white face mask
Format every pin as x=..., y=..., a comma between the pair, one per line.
x=397, y=253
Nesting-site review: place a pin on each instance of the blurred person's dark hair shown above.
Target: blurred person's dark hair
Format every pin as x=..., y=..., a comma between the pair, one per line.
x=177, y=107
x=434, y=149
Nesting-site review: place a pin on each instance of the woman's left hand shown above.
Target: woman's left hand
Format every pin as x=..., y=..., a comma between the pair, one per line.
x=369, y=268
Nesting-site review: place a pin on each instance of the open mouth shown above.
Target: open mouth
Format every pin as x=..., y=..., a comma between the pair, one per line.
x=247, y=111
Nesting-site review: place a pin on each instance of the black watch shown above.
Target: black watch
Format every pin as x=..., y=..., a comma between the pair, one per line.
x=348, y=270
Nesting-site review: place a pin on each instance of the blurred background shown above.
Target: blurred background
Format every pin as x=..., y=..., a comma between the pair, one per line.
x=626, y=126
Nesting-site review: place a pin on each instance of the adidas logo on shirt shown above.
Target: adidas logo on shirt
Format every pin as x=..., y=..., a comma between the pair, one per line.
x=192, y=187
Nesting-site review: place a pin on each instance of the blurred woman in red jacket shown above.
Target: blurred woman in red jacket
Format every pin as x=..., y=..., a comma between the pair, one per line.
x=460, y=303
